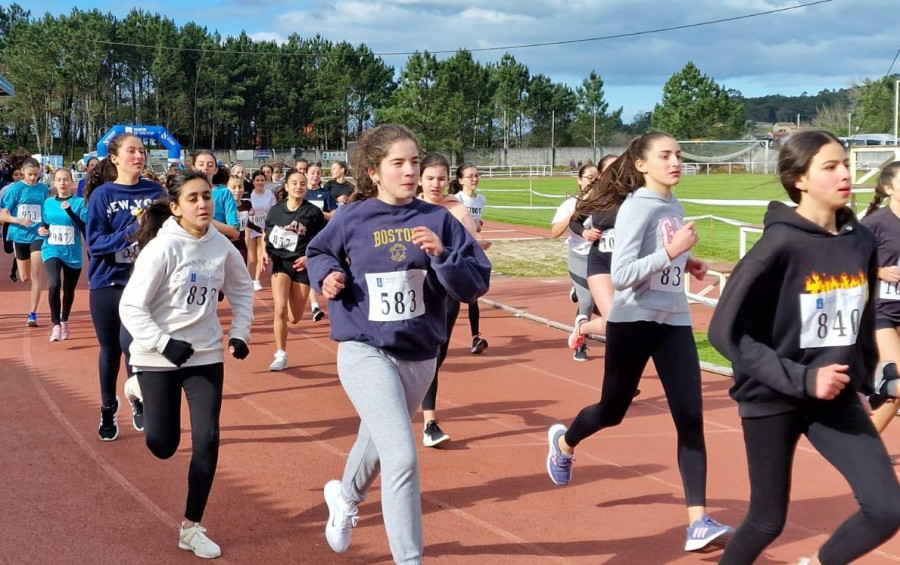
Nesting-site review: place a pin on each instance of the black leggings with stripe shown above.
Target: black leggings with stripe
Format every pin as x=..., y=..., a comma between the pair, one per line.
x=629, y=345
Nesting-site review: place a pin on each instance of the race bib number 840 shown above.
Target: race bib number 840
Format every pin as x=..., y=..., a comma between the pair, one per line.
x=396, y=296
x=831, y=318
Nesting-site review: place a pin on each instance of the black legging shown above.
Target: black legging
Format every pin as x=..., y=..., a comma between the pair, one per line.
x=162, y=423
x=629, y=345
x=475, y=318
x=452, y=314
x=60, y=276
x=113, y=337
x=842, y=432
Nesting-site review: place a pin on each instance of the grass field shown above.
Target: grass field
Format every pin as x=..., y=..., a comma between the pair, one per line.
x=718, y=240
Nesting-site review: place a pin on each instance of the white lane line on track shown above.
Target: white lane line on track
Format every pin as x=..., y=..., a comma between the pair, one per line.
x=85, y=445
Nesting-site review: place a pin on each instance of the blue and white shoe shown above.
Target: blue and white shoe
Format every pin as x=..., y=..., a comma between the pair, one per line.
x=559, y=465
x=706, y=531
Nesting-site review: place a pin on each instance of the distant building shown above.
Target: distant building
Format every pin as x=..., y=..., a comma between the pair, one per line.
x=869, y=139
x=6, y=89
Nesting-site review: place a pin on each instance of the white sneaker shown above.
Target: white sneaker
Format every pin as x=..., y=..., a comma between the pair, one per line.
x=342, y=518
x=194, y=539
x=133, y=389
x=55, y=333
x=257, y=285
x=280, y=363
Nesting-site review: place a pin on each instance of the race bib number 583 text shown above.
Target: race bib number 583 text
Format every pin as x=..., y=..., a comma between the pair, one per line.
x=396, y=296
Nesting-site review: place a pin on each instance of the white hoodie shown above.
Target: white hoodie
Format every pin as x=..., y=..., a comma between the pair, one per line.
x=173, y=293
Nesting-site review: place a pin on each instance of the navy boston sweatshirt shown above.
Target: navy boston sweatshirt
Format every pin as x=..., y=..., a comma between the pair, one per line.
x=395, y=293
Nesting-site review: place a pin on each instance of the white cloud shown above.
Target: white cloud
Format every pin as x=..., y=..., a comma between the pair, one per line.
x=824, y=46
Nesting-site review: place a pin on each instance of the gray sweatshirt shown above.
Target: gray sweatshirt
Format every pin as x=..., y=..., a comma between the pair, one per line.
x=649, y=286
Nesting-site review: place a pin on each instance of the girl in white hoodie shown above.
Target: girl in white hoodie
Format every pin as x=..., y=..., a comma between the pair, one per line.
x=169, y=307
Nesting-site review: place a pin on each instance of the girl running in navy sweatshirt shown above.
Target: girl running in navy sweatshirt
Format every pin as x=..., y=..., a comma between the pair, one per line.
x=169, y=307
x=387, y=262
x=113, y=210
x=797, y=321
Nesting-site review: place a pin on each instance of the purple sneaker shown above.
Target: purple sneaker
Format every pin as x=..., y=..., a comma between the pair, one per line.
x=559, y=465
x=706, y=531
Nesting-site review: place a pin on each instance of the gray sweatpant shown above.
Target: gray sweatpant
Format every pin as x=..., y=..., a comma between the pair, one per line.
x=578, y=273
x=386, y=392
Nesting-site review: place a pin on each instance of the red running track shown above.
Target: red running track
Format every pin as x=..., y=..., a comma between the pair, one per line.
x=69, y=498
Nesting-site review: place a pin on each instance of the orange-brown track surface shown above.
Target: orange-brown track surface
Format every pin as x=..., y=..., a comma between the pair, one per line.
x=67, y=497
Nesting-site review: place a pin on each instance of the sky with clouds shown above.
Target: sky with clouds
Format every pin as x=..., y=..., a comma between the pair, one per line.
x=829, y=45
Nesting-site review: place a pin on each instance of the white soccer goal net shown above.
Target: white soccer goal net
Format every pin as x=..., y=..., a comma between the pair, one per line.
x=727, y=156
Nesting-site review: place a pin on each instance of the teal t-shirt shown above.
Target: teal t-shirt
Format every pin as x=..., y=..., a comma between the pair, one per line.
x=64, y=241
x=25, y=201
x=225, y=207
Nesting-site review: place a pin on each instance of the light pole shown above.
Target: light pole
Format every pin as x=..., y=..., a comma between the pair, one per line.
x=896, y=106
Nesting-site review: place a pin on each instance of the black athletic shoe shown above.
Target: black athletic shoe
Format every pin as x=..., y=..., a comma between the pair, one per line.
x=318, y=315
x=434, y=435
x=13, y=278
x=137, y=414
x=478, y=345
x=885, y=373
x=581, y=353
x=573, y=296
x=109, y=422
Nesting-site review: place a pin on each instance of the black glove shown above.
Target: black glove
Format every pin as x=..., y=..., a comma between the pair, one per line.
x=241, y=351
x=178, y=351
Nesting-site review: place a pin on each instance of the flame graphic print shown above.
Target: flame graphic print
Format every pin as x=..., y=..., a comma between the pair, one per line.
x=817, y=283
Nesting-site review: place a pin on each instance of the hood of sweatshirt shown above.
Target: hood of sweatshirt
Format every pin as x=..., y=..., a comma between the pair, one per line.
x=779, y=213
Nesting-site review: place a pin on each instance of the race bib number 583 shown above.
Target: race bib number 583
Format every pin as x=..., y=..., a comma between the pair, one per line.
x=396, y=296
x=831, y=318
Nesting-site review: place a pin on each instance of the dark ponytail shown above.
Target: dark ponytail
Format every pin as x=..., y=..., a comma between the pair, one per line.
x=455, y=185
x=609, y=190
x=886, y=178
x=105, y=171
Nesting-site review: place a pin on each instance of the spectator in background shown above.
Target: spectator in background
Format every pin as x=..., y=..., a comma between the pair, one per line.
x=339, y=186
x=92, y=162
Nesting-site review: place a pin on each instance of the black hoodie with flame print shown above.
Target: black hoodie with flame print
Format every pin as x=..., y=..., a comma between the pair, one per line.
x=801, y=299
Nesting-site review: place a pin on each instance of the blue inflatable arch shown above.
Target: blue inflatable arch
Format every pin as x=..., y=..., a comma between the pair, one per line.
x=158, y=133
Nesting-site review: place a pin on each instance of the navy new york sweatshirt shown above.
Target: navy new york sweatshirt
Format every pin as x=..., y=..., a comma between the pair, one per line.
x=395, y=295
x=111, y=218
x=801, y=299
